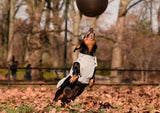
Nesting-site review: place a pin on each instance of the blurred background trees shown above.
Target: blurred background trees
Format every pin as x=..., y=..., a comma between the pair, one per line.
x=38, y=37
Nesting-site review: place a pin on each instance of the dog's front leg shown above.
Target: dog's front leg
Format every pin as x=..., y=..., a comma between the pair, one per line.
x=91, y=82
x=76, y=72
x=73, y=78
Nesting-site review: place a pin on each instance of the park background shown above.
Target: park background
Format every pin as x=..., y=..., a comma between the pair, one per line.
x=128, y=39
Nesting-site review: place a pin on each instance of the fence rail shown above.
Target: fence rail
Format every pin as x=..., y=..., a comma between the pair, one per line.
x=98, y=69
x=54, y=83
x=131, y=84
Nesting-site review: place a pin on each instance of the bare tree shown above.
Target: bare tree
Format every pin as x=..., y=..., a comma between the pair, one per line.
x=5, y=28
x=94, y=22
x=35, y=9
x=9, y=10
x=154, y=16
x=140, y=50
x=159, y=20
x=117, y=53
x=76, y=18
x=56, y=39
x=11, y=29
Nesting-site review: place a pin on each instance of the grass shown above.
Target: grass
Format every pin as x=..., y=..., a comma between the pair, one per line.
x=26, y=86
x=21, y=74
x=78, y=106
x=21, y=109
x=49, y=76
x=48, y=109
x=46, y=75
x=118, y=107
x=29, y=109
x=57, y=108
x=96, y=111
x=72, y=111
x=3, y=72
x=103, y=73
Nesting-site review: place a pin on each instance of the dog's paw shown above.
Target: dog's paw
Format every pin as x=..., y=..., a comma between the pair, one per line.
x=67, y=92
x=73, y=78
x=91, y=83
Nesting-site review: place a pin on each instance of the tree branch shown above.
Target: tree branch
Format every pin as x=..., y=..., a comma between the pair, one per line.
x=72, y=11
x=110, y=38
x=60, y=8
x=125, y=12
x=17, y=9
x=18, y=6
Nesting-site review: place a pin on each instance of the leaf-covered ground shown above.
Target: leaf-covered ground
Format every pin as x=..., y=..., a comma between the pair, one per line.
x=99, y=99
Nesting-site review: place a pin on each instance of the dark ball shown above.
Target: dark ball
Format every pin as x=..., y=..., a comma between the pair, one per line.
x=92, y=8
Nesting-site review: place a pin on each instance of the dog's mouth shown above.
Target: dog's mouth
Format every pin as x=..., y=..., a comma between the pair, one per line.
x=90, y=34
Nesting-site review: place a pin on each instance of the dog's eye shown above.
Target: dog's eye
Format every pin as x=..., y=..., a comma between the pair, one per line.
x=94, y=35
x=88, y=35
x=83, y=37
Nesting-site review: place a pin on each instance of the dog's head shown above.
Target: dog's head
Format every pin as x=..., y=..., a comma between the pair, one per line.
x=90, y=34
x=88, y=44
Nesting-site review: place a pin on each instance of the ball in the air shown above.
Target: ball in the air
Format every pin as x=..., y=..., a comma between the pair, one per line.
x=92, y=8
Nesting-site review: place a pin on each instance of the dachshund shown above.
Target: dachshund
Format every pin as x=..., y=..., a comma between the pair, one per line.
x=82, y=72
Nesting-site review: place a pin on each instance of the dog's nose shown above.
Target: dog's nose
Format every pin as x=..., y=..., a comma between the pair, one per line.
x=91, y=30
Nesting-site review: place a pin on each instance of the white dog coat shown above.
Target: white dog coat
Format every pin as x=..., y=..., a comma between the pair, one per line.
x=87, y=66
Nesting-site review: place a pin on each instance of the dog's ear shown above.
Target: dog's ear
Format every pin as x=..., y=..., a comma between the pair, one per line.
x=77, y=47
x=94, y=48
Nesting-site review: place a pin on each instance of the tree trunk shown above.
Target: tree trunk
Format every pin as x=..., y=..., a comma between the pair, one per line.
x=1, y=47
x=11, y=29
x=117, y=52
x=76, y=18
x=35, y=55
x=5, y=29
x=146, y=76
x=159, y=20
x=94, y=22
x=56, y=48
x=26, y=56
x=116, y=62
x=154, y=17
x=35, y=9
x=142, y=77
x=75, y=37
x=55, y=41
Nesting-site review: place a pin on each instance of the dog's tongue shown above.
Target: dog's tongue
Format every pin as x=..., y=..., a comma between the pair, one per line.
x=92, y=36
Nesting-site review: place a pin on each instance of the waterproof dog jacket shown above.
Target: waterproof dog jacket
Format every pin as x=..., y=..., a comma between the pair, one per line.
x=87, y=66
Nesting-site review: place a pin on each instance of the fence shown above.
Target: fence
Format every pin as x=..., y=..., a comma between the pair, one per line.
x=131, y=77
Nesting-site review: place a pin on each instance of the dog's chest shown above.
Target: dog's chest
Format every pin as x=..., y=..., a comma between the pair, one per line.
x=89, y=44
x=87, y=66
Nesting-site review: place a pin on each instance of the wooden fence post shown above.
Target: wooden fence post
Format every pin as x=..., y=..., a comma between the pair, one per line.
x=9, y=75
x=131, y=78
